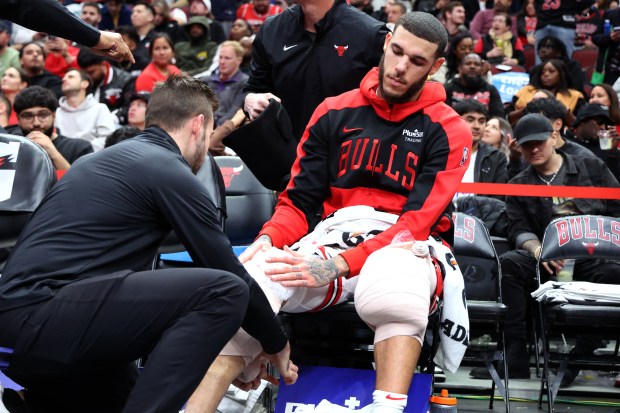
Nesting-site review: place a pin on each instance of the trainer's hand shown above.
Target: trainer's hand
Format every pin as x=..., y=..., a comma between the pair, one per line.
x=112, y=45
x=253, y=385
x=297, y=270
x=262, y=243
x=256, y=103
x=282, y=362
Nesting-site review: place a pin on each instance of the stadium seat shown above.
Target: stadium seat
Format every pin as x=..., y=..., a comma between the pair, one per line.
x=479, y=263
x=530, y=58
x=26, y=176
x=586, y=57
x=248, y=203
x=578, y=237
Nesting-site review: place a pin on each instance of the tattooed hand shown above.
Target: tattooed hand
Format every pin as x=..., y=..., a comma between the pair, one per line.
x=298, y=270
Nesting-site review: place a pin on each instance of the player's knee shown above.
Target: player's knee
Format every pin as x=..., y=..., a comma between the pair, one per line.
x=393, y=293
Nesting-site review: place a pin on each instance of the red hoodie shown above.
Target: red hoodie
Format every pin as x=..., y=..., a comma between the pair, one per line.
x=406, y=159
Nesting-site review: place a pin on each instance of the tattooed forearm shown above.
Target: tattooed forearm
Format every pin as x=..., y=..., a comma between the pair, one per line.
x=323, y=271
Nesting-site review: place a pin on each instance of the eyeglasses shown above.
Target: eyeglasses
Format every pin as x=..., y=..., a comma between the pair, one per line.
x=29, y=116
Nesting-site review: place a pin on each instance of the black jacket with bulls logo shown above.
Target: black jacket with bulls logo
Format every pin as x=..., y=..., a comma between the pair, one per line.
x=303, y=69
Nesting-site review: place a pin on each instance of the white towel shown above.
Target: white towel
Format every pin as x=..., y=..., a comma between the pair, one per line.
x=454, y=330
x=578, y=292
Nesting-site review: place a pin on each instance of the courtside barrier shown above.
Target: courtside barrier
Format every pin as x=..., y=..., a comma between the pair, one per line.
x=540, y=190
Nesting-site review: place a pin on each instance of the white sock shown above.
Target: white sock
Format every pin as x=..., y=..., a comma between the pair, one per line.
x=386, y=402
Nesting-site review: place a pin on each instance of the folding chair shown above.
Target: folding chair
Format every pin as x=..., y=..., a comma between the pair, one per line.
x=475, y=253
x=578, y=237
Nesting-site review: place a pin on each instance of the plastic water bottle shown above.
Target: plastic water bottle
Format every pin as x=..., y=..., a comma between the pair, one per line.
x=607, y=26
x=443, y=403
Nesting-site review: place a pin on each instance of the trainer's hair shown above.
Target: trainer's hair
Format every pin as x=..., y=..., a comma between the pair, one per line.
x=425, y=26
x=178, y=99
x=470, y=106
x=35, y=96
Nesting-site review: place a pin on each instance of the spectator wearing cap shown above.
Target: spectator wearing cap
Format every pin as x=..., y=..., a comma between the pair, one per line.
x=527, y=219
x=32, y=59
x=115, y=13
x=556, y=112
x=9, y=57
x=36, y=112
x=79, y=115
x=196, y=55
x=203, y=8
x=111, y=85
x=136, y=116
x=591, y=120
x=257, y=11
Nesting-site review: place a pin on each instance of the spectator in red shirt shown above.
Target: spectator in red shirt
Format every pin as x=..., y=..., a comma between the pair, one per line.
x=162, y=54
x=256, y=12
x=60, y=56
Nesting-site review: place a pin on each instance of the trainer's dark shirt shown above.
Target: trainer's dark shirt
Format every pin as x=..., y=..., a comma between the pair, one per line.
x=109, y=214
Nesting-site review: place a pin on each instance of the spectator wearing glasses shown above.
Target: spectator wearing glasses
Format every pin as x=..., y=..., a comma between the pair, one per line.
x=36, y=112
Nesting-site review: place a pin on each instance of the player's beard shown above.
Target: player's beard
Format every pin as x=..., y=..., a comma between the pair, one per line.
x=405, y=96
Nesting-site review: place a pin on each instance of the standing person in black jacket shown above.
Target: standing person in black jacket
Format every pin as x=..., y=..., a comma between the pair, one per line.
x=50, y=17
x=79, y=301
x=313, y=50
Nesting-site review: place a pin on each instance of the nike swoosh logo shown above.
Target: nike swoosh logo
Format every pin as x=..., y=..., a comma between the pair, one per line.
x=345, y=130
x=390, y=397
x=285, y=48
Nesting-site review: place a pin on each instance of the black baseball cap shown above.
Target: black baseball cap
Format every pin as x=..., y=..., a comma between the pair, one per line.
x=532, y=127
x=593, y=110
x=3, y=27
x=145, y=96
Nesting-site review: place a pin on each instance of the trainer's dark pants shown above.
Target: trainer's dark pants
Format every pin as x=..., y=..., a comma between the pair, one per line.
x=75, y=352
x=519, y=280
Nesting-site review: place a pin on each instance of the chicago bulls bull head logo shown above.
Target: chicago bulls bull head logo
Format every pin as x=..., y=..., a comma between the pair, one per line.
x=229, y=173
x=341, y=49
x=590, y=246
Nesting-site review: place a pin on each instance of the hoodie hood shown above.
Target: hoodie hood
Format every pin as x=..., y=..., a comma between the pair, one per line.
x=88, y=103
x=432, y=93
x=201, y=20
